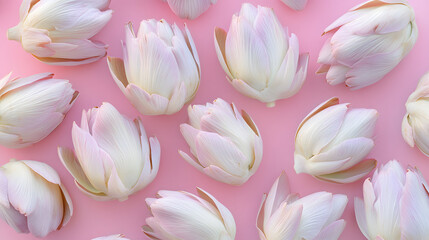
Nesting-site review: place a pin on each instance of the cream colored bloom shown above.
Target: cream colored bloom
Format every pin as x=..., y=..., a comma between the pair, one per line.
x=160, y=71
x=32, y=198
x=332, y=142
x=59, y=32
x=368, y=42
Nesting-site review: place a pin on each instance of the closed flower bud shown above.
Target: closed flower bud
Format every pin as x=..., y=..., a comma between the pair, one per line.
x=332, y=142
x=160, y=71
x=286, y=216
x=32, y=198
x=190, y=9
x=297, y=5
x=182, y=215
x=415, y=124
x=59, y=32
x=113, y=157
x=368, y=42
x=395, y=204
x=225, y=144
x=260, y=59
x=32, y=107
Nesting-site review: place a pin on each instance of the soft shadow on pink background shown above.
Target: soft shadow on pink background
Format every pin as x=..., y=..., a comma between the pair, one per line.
x=277, y=125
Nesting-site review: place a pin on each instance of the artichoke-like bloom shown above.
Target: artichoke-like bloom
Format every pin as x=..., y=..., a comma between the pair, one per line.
x=32, y=198
x=161, y=69
x=32, y=107
x=113, y=157
x=59, y=32
x=395, y=204
x=182, y=215
x=415, y=125
x=112, y=237
x=226, y=145
x=285, y=216
x=260, y=59
x=189, y=9
x=332, y=141
x=297, y=5
x=368, y=42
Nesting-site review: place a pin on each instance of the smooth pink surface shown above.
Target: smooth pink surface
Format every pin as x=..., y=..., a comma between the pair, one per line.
x=277, y=125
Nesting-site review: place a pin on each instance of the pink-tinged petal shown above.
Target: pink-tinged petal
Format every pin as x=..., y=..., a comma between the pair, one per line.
x=44, y=170
x=219, y=39
x=278, y=194
x=260, y=219
x=116, y=188
x=191, y=160
x=326, y=54
x=213, y=149
x=35, y=40
x=272, y=34
x=5, y=80
x=4, y=200
x=258, y=152
x=190, y=41
x=226, y=215
x=160, y=73
x=414, y=208
x=284, y=223
x=91, y=157
x=360, y=213
x=95, y=196
x=317, y=131
x=246, y=89
x=351, y=174
x=297, y=5
x=71, y=163
x=246, y=54
x=346, y=18
x=354, y=149
x=14, y=219
x=407, y=131
x=372, y=68
x=22, y=82
x=25, y=8
x=120, y=138
x=190, y=133
x=78, y=49
x=337, y=74
x=148, y=104
x=178, y=99
x=190, y=9
x=68, y=206
x=189, y=71
x=332, y=231
x=221, y=175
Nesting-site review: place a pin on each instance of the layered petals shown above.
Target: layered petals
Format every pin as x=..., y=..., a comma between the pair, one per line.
x=332, y=142
x=259, y=57
x=189, y=9
x=32, y=198
x=113, y=157
x=367, y=42
x=286, y=216
x=415, y=125
x=400, y=211
x=32, y=107
x=59, y=32
x=225, y=144
x=160, y=71
x=178, y=215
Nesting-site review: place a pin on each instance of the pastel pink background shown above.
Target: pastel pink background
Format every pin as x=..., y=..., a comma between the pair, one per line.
x=277, y=125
